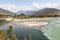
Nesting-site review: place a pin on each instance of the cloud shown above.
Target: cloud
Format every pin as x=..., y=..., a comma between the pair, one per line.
x=46, y=5
x=33, y=6
x=15, y=8
x=37, y=5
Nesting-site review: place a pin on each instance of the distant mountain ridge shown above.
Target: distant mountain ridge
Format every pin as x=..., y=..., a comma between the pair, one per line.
x=6, y=12
x=51, y=11
x=28, y=12
x=45, y=11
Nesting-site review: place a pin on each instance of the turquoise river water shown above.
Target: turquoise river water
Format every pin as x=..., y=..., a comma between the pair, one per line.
x=48, y=32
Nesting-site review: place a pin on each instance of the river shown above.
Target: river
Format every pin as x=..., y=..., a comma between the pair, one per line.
x=48, y=32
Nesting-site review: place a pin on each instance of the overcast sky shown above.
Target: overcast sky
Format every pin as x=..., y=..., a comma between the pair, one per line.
x=16, y=5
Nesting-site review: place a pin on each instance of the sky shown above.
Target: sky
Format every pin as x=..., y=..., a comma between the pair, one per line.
x=17, y=5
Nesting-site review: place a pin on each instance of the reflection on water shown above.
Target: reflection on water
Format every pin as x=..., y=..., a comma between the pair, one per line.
x=21, y=30
x=48, y=32
x=52, y=30
x=35, y=34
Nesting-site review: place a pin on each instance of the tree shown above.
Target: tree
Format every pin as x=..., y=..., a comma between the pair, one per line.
x=10, y=27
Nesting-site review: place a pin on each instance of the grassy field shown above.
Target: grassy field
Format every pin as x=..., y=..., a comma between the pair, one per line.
x=2, y=34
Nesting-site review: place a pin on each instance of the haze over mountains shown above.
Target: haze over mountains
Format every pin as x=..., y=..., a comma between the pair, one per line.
x=50, y=11
x=29, y=12
x=6, y=12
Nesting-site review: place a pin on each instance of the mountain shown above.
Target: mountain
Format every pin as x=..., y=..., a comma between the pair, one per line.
x=28, y=12
x=45, y=11
x=6, y=12
x=48, y=11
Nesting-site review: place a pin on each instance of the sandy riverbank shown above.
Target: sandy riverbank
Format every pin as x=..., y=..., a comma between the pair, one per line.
x=32, y=22
x=31, y=19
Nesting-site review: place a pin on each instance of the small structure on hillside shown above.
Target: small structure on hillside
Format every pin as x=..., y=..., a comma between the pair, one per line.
x=21, y=14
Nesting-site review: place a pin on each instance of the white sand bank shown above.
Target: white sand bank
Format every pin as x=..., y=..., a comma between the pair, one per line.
x=34, y=23
x=32, y=19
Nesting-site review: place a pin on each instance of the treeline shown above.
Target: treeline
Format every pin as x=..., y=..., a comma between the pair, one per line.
x=5, y=16
x=45, y=15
